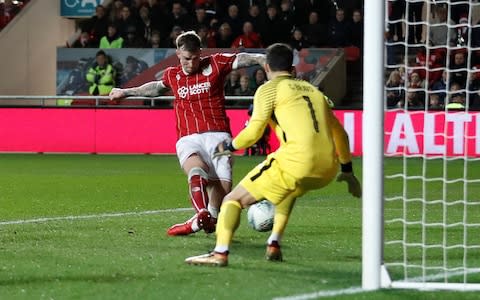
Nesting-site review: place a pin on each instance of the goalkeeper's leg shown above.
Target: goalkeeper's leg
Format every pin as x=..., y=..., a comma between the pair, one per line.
x=282, y=214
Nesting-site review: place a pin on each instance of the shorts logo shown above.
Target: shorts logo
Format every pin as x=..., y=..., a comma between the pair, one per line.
x=195, y=89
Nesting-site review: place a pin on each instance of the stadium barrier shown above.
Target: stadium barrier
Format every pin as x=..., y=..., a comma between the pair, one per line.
x=102, y=128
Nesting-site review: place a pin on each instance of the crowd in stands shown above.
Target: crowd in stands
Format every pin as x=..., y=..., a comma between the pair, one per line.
x=224, y=24
x=442, y=68
x=9, y=9
x=236, y=24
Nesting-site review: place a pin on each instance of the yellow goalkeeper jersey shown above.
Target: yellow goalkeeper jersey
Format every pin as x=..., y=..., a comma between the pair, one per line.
x=312, y=141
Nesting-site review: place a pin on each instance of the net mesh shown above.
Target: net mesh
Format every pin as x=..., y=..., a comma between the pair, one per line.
x=432, y=142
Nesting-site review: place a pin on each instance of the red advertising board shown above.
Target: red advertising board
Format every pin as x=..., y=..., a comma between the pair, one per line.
x=152, y=131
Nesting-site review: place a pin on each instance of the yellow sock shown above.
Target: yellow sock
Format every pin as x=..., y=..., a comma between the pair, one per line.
x=281, y=220
x=228, y=221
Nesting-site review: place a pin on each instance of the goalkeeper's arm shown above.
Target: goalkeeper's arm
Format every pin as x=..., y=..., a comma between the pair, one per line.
x=340, y=139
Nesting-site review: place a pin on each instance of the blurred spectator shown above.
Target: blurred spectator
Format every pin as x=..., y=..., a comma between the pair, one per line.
x=298, y=41
x=434, y=101
x=116, y=9
x=201, y=18
x=206, y=40
x=176, y=31
x=75, y=82
x=338, y=30
x=83, y=41
x=244, y=89
x=96, y=26
x=126, y=21
x=132, y=40
x=234, y=20
x=414, y=16
x=224, y=38
x=394, y=89
x=262, y=146
x=179, y=16
x=462, y=31
x=273, y=31
x=156, y=40
x=416, y=82
x=133, y=67
x=456, y=98
x=430, y=66
x=441, y=32
x=256, y=18
x=147, y=26
x=101, y=75
x=287, y=17
x=249, y=38
x=440, y=86
x=395, y=35
x=355, y=37
x=303, y=8
x=232, y=82
x=413, y=99
x=458, y=67
x=112, y=39
x=259, y=77
x=160, y=12
x=315, y=32
x=349, y=6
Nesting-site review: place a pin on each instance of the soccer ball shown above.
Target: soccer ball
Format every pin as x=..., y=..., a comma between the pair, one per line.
x=260, y=216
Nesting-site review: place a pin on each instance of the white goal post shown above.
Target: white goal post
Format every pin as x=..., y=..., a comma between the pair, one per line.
x=421, y=218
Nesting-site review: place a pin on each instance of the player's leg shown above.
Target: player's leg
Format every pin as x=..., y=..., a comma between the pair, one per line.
x=282, y=214
x=218, y=189
x=228, y=221
x=189, y=149
x=197, y=173
x=266, y=181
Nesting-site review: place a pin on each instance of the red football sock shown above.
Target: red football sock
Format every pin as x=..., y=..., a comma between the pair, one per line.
x=198, y=192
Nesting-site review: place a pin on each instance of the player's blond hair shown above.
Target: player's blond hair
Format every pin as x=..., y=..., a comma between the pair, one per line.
x=188, y=41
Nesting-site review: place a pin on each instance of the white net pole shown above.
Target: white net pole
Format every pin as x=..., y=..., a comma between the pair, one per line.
x=372, y=144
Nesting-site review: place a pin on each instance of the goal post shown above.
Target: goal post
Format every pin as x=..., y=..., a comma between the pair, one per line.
x=421, y=150
x=373, y=74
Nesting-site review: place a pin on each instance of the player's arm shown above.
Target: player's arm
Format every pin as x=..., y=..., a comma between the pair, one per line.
x=340, y=138
x=262, y=111
x=248, y=59
x=150, y=89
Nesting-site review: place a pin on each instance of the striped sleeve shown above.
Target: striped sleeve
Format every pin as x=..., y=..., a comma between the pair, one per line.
x=263, y=104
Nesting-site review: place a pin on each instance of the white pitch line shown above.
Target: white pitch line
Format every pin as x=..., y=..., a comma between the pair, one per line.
x=97, y=216
x=356, y=290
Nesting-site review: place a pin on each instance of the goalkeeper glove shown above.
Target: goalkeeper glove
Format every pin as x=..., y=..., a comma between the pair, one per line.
x=223, y=148
x=347, y=175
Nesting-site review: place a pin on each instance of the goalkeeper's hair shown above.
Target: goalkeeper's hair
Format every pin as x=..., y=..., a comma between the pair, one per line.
x=279, y=57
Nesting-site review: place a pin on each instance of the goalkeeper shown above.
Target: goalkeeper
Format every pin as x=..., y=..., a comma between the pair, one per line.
x=312, y=145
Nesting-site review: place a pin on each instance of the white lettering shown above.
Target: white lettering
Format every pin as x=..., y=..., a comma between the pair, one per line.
x=459, y=120
x=349, y=125
x=403, y=124
x=429, y=138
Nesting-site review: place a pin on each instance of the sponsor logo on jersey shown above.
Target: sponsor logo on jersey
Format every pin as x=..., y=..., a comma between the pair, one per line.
x=195, y=89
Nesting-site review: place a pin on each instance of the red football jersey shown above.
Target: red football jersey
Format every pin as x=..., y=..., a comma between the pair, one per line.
x=199, y=103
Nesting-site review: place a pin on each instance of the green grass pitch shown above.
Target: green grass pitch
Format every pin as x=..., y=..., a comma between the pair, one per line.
x=96, y=254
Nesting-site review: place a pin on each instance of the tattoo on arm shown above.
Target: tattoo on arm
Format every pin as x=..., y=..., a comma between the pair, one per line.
x=150, y=89
x=250, y=59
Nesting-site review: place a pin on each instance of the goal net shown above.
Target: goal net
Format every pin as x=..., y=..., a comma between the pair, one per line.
x=431, y=207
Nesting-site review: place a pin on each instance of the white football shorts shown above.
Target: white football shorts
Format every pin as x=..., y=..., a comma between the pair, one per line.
x=203, y=144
